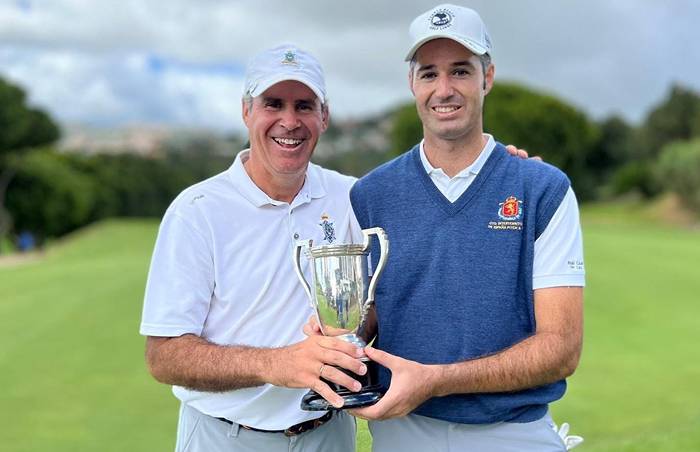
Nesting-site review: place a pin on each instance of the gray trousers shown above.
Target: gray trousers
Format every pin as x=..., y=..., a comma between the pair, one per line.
x=197, y=432
x=424, y=434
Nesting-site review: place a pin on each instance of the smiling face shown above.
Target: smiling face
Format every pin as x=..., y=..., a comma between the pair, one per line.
x=449, y=85
x=284, y=124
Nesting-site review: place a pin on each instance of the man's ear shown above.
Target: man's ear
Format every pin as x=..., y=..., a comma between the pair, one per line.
x=488, y=78
x=325, y=117
x=410, y=80
x=245, y=111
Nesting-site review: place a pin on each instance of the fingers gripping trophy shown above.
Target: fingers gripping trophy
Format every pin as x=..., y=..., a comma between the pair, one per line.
x=342, y=294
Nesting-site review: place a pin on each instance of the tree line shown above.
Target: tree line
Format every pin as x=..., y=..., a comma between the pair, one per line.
x=50, y=193
x=603, y=159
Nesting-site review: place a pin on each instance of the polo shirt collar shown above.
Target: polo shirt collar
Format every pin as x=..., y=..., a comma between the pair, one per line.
x=472, y=169
x=312, y=188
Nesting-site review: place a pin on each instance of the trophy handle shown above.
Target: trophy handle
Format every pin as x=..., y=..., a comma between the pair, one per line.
x=383, y=256
x=301, y=244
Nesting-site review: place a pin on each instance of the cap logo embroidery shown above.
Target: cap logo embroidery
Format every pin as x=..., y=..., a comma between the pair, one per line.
x=290, y=58
x=441, y=19
x=328, y=229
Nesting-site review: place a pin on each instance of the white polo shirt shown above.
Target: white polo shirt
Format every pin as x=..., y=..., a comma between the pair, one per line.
x=222, y=269
x=558, y=254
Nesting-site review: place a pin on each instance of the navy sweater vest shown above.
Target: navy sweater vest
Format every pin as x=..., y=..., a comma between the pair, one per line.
x=458, y=281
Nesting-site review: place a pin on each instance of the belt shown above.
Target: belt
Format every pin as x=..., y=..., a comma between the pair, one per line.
x=294, y=430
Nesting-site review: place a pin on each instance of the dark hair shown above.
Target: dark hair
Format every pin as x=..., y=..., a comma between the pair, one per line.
x=485, y=60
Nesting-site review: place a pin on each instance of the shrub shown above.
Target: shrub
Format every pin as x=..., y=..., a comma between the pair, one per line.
x=47, y=196
x=678, y=171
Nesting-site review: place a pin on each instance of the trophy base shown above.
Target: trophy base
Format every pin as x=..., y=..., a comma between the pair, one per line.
x=370, y=395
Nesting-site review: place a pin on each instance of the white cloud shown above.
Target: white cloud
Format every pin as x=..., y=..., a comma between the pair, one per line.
x=122, y=89
x=181, y=62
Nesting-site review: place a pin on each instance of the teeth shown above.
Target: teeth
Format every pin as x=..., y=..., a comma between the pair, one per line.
x=445, y=109
x=288, y=141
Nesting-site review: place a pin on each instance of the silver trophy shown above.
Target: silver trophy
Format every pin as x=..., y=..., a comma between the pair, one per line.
x=342, y=296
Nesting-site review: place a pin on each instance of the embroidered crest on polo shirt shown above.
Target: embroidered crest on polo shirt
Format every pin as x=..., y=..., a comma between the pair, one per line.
x=328, y=229
x=510, y=212
x=441, y=19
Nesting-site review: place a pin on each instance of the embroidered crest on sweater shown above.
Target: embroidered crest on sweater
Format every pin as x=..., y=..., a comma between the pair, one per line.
x=510, y=212
x=511, y=209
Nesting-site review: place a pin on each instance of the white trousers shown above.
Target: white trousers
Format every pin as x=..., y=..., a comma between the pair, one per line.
x=197, y=432
x=424, y=434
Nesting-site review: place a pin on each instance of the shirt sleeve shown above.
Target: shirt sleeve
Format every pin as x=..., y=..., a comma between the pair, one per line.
x=180, y=281
x=558, y=259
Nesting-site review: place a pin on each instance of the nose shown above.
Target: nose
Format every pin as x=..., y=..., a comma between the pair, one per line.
x=289, y=119
x=443, y=88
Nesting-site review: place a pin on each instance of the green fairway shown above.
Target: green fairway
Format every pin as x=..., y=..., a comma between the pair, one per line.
x=636, y=386
x=73, y=376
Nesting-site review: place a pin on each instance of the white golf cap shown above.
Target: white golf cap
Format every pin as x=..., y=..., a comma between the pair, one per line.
x=284, y=62
x=458, y=23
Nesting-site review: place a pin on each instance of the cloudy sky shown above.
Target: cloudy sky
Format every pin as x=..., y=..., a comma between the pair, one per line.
x=181, y=62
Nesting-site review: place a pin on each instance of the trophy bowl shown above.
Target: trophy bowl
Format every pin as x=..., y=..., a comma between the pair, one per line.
x=341, y=294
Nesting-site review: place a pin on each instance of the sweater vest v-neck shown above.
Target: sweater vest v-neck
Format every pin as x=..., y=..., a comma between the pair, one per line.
x=458, y=281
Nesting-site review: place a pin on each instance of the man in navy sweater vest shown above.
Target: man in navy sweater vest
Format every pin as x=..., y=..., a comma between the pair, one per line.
x=480, y=306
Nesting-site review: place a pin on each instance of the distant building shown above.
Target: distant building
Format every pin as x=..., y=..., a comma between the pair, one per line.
x=147, y=141
x=142, y=140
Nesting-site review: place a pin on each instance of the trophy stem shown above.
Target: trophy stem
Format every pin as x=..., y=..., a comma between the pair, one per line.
x=353, y=339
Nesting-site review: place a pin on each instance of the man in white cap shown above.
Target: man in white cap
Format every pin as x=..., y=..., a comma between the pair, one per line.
x=224, y=309
x=480, y=304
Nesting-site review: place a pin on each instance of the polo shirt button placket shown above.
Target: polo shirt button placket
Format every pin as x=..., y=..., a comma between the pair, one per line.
x=291, y=225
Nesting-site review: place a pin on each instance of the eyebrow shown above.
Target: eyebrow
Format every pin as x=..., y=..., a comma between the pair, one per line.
x=431, y=67
x=279, y=99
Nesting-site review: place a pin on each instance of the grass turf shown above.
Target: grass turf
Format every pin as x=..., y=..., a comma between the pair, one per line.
x=73, y=377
